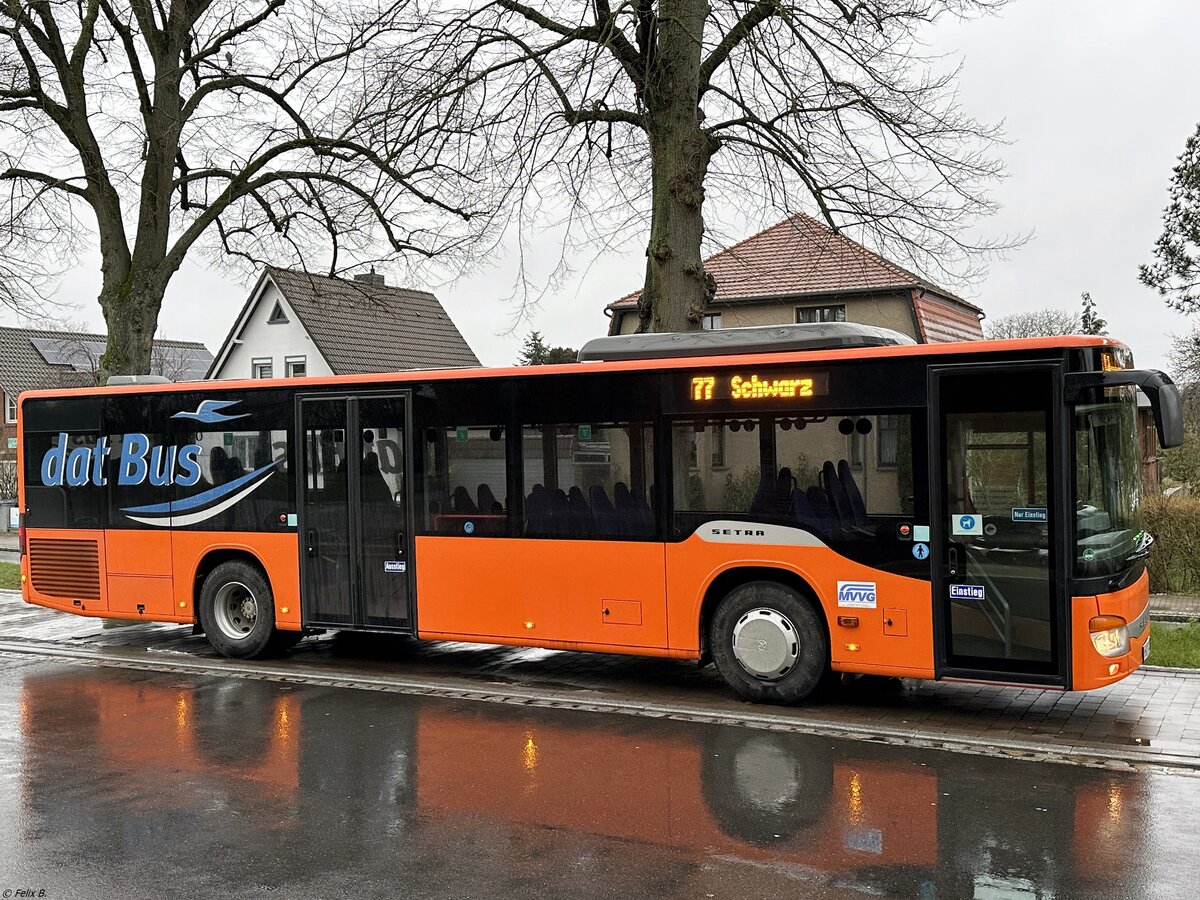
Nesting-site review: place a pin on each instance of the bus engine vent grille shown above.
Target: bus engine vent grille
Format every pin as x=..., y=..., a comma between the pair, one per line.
x=65, y=568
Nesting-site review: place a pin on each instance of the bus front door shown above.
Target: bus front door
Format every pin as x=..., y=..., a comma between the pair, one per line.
x=355, y=543
x=998, y=579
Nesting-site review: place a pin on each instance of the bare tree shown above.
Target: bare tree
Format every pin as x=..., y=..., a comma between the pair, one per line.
x=239, y=127
x=1035, y=323
x=608, y=114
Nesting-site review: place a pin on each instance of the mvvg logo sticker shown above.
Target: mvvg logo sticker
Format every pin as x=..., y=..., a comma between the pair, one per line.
x=859, y=594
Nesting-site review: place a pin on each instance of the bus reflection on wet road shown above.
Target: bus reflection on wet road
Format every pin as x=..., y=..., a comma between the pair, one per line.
x=119, y=783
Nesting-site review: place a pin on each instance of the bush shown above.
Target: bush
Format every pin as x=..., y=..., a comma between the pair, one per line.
x=1175, y=556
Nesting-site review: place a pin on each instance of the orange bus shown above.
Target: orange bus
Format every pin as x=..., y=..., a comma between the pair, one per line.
x=789, y=503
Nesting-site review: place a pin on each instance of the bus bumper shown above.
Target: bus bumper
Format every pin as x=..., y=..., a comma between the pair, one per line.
x=1089, y=668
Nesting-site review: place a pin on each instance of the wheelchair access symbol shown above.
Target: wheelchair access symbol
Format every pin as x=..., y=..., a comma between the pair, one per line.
x=921, y=551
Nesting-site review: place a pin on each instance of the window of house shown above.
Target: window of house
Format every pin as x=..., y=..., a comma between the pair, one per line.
x=278, y=316
x=716, y=437
x=711, y=321
x=589, y=480
x=811, y=314
x=10, y=408
x=887, y=432
x=295, y=366
x=260, y=368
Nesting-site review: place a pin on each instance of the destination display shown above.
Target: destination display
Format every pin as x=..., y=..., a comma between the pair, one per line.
x=751, y=386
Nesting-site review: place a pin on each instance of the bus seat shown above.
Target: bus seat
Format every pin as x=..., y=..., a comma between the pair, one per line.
x=853, y=494
x=560, y=512
x=785, y=485
x=537, y=511
x=581, y=516
x=488, y=504
x=623, y=502
x=760, y=504
x=602, y=511
x=837, y=494
x=803, y=512
x=818, y=499
x=644, y=518
x=461, y=502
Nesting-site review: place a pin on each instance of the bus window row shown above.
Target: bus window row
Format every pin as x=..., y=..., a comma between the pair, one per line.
x=584, y=480
x=838, y=477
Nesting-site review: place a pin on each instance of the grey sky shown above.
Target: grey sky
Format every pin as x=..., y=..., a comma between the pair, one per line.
x=1096, y=99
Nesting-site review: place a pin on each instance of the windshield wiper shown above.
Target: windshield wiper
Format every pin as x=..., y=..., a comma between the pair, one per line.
x=1143, y=548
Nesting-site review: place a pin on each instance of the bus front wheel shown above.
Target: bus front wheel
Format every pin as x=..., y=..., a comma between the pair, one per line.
x=768, y=643
x=237, y=611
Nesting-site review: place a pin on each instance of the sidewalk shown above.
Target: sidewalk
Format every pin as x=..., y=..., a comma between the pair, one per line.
x=1174, y=607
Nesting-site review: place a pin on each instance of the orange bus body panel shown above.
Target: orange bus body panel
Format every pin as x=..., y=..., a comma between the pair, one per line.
x=543, y=592
x=694, y=564
x=1089, y=670
x=169, y=597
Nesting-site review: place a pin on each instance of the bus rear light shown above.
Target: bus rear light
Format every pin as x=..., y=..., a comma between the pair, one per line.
x=21, y=534
x=1110, y=635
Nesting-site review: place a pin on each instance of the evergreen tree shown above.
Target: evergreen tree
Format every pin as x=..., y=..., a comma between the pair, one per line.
x=1089, y=320
x=1175, y=272
x=536, y=352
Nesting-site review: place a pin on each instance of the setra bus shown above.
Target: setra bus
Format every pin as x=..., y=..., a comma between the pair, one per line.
x=789, y=503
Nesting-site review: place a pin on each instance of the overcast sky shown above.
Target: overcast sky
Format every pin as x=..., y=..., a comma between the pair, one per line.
x=1097, y=98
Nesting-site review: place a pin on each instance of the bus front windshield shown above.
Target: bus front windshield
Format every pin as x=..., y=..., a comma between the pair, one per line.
x=1109, y=534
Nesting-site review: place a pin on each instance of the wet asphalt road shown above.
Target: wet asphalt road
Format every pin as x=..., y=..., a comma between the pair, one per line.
x=117, y=783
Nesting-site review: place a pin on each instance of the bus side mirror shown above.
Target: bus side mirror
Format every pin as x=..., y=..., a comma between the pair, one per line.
x=1157, y=386
x=1167, y=406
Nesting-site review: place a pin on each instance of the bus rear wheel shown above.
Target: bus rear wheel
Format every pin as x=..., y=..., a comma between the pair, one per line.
x=237, y=612
x=768, y=643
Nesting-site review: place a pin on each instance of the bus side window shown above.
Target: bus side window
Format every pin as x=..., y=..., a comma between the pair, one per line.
x=466, y=480
x=589, y=480
x=838, y=476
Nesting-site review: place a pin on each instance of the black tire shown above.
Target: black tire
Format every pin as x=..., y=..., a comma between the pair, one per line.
x=797, y=617
x=237, y=611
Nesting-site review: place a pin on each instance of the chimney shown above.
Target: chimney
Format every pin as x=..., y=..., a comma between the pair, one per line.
x=370, y=277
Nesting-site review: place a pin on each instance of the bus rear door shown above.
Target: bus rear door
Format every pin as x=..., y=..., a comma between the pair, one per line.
x=356, y=544
x=999, y=570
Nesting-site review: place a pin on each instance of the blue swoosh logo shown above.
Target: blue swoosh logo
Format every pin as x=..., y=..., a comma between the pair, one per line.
x=204, y=498
x=209, y=412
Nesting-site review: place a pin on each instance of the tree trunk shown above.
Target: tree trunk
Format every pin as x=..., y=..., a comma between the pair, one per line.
x=677, y=289
x=131, y=313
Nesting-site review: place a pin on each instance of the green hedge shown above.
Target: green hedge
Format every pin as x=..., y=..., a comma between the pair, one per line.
x=1175, y=557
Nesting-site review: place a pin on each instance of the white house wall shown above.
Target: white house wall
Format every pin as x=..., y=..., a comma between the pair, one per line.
x=263, y=340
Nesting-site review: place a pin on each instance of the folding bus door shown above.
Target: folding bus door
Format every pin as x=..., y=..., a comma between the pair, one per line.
x=998, y=577
x=354, y=512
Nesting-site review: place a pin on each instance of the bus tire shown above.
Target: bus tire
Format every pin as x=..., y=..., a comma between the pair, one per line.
x=768, y=643
x=237, y=610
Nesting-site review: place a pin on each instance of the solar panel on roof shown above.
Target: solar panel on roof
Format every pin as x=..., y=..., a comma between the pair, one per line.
x=82, y=354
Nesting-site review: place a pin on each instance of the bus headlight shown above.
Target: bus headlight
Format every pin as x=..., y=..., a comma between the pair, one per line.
x=1110, y=635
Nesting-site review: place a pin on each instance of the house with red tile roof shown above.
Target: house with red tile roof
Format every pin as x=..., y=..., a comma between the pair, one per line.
x=800, y=270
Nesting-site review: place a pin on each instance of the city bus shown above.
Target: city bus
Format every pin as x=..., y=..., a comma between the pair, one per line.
x=788, y=503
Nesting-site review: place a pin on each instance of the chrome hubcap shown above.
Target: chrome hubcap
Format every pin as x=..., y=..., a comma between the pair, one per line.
x=235, y=610
x=765, y=643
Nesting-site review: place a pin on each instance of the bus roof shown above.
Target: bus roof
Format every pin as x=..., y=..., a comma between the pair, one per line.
x=905, y=351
